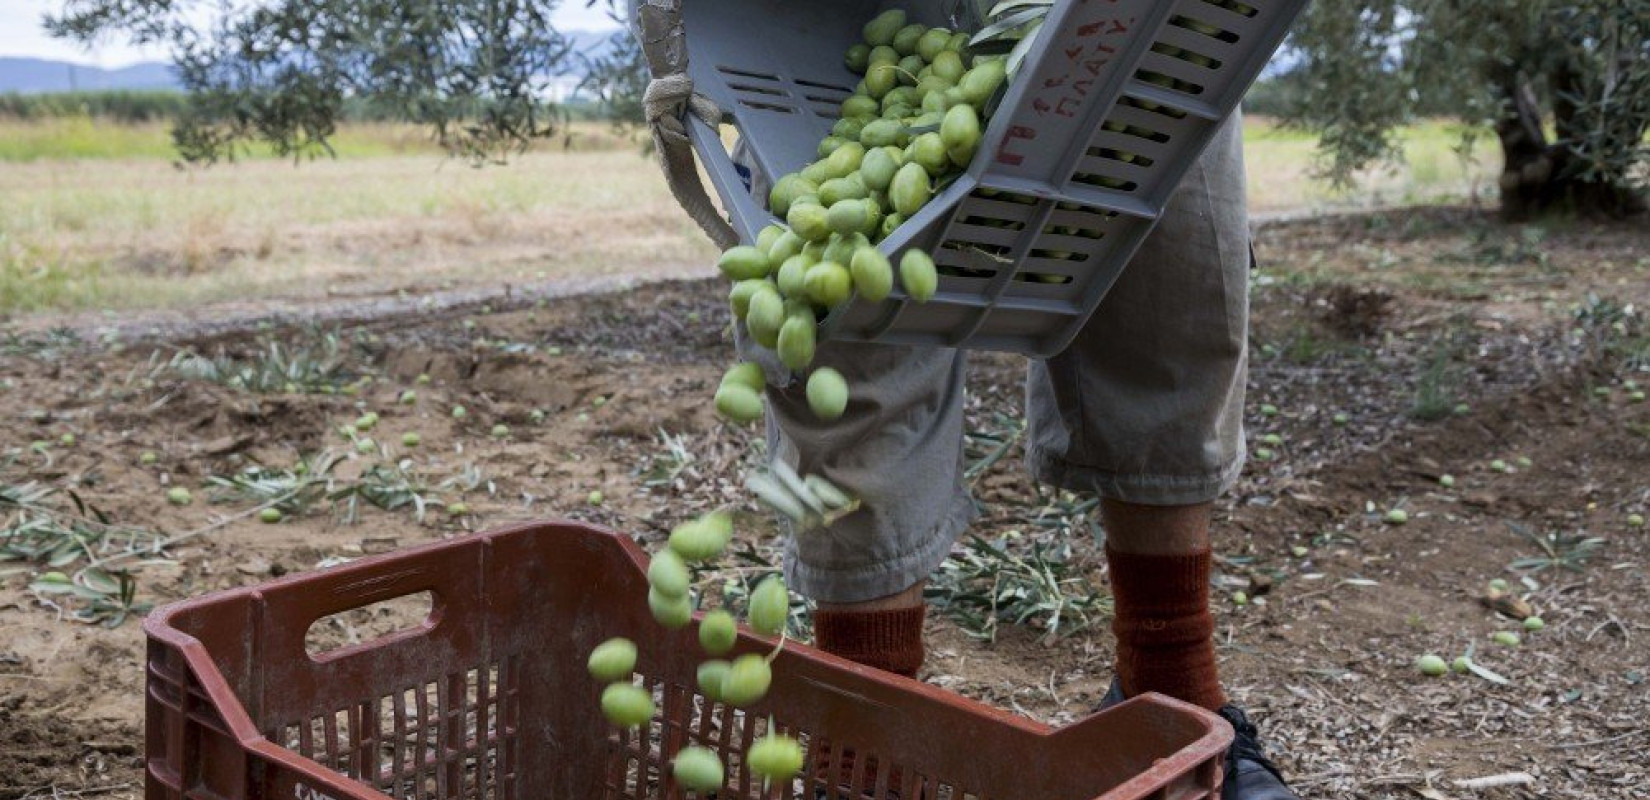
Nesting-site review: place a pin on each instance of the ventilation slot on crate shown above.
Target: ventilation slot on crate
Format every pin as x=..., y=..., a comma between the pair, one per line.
x=1203, y=28
x=1195, y=59
x=635, y=761
x=1243, y=9
x=824, y=99
x=761, y=91
x=1166, y=80
x=984, y=233
x=443, y=739
x=838, y=769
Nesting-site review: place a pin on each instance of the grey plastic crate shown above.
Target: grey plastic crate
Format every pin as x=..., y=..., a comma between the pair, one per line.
x=1049, y=213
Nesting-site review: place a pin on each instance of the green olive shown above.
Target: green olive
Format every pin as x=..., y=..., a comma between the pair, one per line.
x=613, y=660
x=844, y=161
x=671, y=612
x=890, y=224
x=931, y=86
x=961, y=133
x=906, y=38
x=813, y=175
x=739, y=298
x=743, y=263
x=746, y=373
x=718, y=632
x=881, y=133
x=766, y=314
x=881, y=79
x=848, y=216
x=827, y=393
x=698, y=768
x=627, y=705
x=932, y=42
x=710, y=676
x=949, y=65
x=829, y=284
x=796, y=339
x=770, y=605
x=841, y=249
x=829, y=145
x=837, y=190
x=668, y=574
x=809, y=222
x=929, y=151
x=910, y=189
x=918, y=276
x=747, y=680
x=882, y=28
x=790, y=278
x=784, y=246
x=849, y=127
x=860, y=106
x=858, y=58
x=702, y=539
x=775, y=758
x=766, y=237
x=978, y=84
x=872, y=273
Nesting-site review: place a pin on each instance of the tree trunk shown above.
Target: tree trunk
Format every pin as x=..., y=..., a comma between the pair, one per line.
x=1538, y=176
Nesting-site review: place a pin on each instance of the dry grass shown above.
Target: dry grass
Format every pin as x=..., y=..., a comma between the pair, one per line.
x=134, y=234
x=119, y=227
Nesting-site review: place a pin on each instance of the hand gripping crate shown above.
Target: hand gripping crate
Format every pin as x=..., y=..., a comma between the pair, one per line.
x=488, y=698
x=1113, y=105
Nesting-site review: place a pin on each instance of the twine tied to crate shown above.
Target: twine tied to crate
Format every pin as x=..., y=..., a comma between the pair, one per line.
x=668, y=102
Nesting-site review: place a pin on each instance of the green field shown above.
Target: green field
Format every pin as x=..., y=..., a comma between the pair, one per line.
x=97, y=216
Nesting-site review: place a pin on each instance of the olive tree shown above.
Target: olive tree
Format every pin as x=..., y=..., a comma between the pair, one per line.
x=283, y=71
x=1565, y=88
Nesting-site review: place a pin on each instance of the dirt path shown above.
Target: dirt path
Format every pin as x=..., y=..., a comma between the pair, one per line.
x=385, y=304
x=1390, y=320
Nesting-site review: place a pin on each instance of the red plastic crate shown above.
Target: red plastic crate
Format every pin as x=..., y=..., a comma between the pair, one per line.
x=488, y=698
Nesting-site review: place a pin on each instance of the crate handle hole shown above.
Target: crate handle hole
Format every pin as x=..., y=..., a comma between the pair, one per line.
x=370, y=625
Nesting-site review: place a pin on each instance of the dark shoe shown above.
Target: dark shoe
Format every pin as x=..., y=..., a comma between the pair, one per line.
x=1250, y=775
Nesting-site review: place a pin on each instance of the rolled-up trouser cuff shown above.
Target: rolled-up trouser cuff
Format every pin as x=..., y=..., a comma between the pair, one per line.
x=869, y=581
x=1146, y=490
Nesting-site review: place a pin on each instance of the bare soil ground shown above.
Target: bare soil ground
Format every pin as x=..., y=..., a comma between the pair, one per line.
x=1446, y=340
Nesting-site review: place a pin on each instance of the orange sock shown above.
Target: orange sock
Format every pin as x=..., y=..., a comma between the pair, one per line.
x=1165, y=633
x=889, y=640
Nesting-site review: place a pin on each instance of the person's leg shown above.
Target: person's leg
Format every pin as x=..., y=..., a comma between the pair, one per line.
x=898, y=448
x=1145, y=410
x=1160, y=558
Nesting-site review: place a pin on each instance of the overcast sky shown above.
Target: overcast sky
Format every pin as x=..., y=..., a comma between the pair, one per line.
x=20, y=34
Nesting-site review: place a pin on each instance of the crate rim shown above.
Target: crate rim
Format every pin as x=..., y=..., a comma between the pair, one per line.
x=1214, y=739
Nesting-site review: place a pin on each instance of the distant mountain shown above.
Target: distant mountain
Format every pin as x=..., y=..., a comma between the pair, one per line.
x=39, y=75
